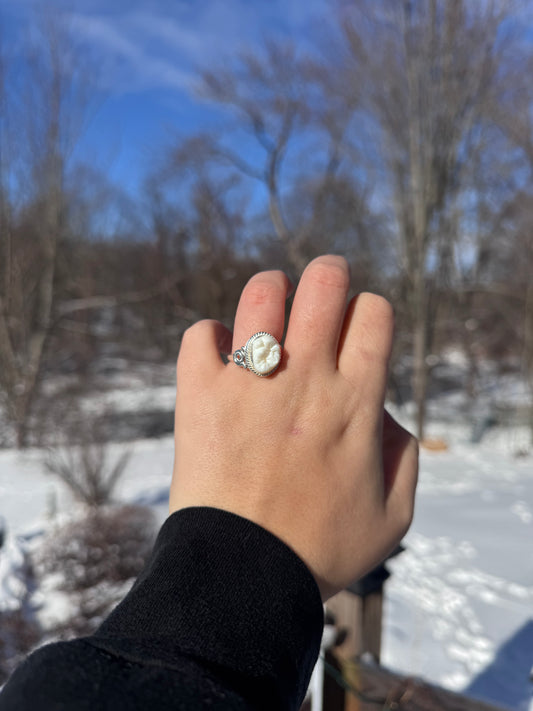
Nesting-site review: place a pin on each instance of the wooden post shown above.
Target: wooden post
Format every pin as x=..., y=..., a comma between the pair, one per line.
x=372, y=623
x=358, y=611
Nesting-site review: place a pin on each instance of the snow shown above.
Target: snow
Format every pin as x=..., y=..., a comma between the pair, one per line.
x=12, y=580
x=459, y=604
x=30, y=496
x=463, y=589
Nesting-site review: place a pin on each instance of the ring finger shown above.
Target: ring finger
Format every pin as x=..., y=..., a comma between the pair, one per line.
x=261, y=307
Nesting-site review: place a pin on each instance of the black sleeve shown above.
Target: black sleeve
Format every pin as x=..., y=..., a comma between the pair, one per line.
x=224, y=616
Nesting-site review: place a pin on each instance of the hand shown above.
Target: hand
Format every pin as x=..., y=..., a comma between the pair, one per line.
x=308, y=453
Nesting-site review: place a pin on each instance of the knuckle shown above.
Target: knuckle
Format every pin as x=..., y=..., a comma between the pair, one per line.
x=371, y=349
x=261, y=290
x=377, y=307
x=369, y=355
x=332, y=273
x=376, y=322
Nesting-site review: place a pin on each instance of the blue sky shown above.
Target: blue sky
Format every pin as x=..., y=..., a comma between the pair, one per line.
x=149, y=53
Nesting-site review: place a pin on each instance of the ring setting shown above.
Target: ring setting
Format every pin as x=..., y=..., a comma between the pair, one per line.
x=261, y=354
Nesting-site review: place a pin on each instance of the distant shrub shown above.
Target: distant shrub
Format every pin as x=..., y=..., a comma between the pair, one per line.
x=92, y=562
x=19, y=628
x=81, y=459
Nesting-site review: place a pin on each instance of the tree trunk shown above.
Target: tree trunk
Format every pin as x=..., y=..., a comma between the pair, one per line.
x=420, y=377
x=527, y=356
x=420, y=347
x=21, y=431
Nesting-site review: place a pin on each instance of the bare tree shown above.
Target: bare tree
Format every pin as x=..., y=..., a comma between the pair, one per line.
x=264, y=94
x=292, y=145
x=514, y=116
x=44, y=110
x=198, y=222
x=427, y=91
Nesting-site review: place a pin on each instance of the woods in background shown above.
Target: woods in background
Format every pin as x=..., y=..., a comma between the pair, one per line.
x=404, y=142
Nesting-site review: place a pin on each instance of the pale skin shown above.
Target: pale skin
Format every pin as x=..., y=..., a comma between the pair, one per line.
x=308, y=453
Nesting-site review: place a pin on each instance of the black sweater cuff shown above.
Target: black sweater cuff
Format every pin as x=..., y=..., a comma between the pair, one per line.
x=220, y=589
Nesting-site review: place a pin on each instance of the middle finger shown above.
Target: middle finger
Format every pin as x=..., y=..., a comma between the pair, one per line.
x=318, y=310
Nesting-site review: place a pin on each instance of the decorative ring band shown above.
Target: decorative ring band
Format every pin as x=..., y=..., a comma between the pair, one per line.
x=261, y=354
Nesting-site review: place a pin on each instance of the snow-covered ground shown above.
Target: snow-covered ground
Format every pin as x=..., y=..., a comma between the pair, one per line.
x=459, y=605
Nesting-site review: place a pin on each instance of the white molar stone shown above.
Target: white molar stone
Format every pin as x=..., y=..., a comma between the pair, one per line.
x=266, y=354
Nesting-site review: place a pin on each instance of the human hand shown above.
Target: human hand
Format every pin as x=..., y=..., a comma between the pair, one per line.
x=308, y=453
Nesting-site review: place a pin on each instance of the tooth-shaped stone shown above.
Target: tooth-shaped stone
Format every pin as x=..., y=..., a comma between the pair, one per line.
x=264, y=353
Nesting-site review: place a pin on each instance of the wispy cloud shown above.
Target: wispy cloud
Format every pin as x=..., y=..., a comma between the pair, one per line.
x=171, y=32
x=102, y=33
x=158, y=44
x=129, y=64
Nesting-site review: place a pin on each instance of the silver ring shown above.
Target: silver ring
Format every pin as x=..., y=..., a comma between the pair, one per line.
x=261, y=354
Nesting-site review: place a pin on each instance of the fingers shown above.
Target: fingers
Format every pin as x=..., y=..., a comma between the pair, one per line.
x=365, y=345
x=358, y=341
x=318, y=311
x=261, y=307
x=201, y=347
